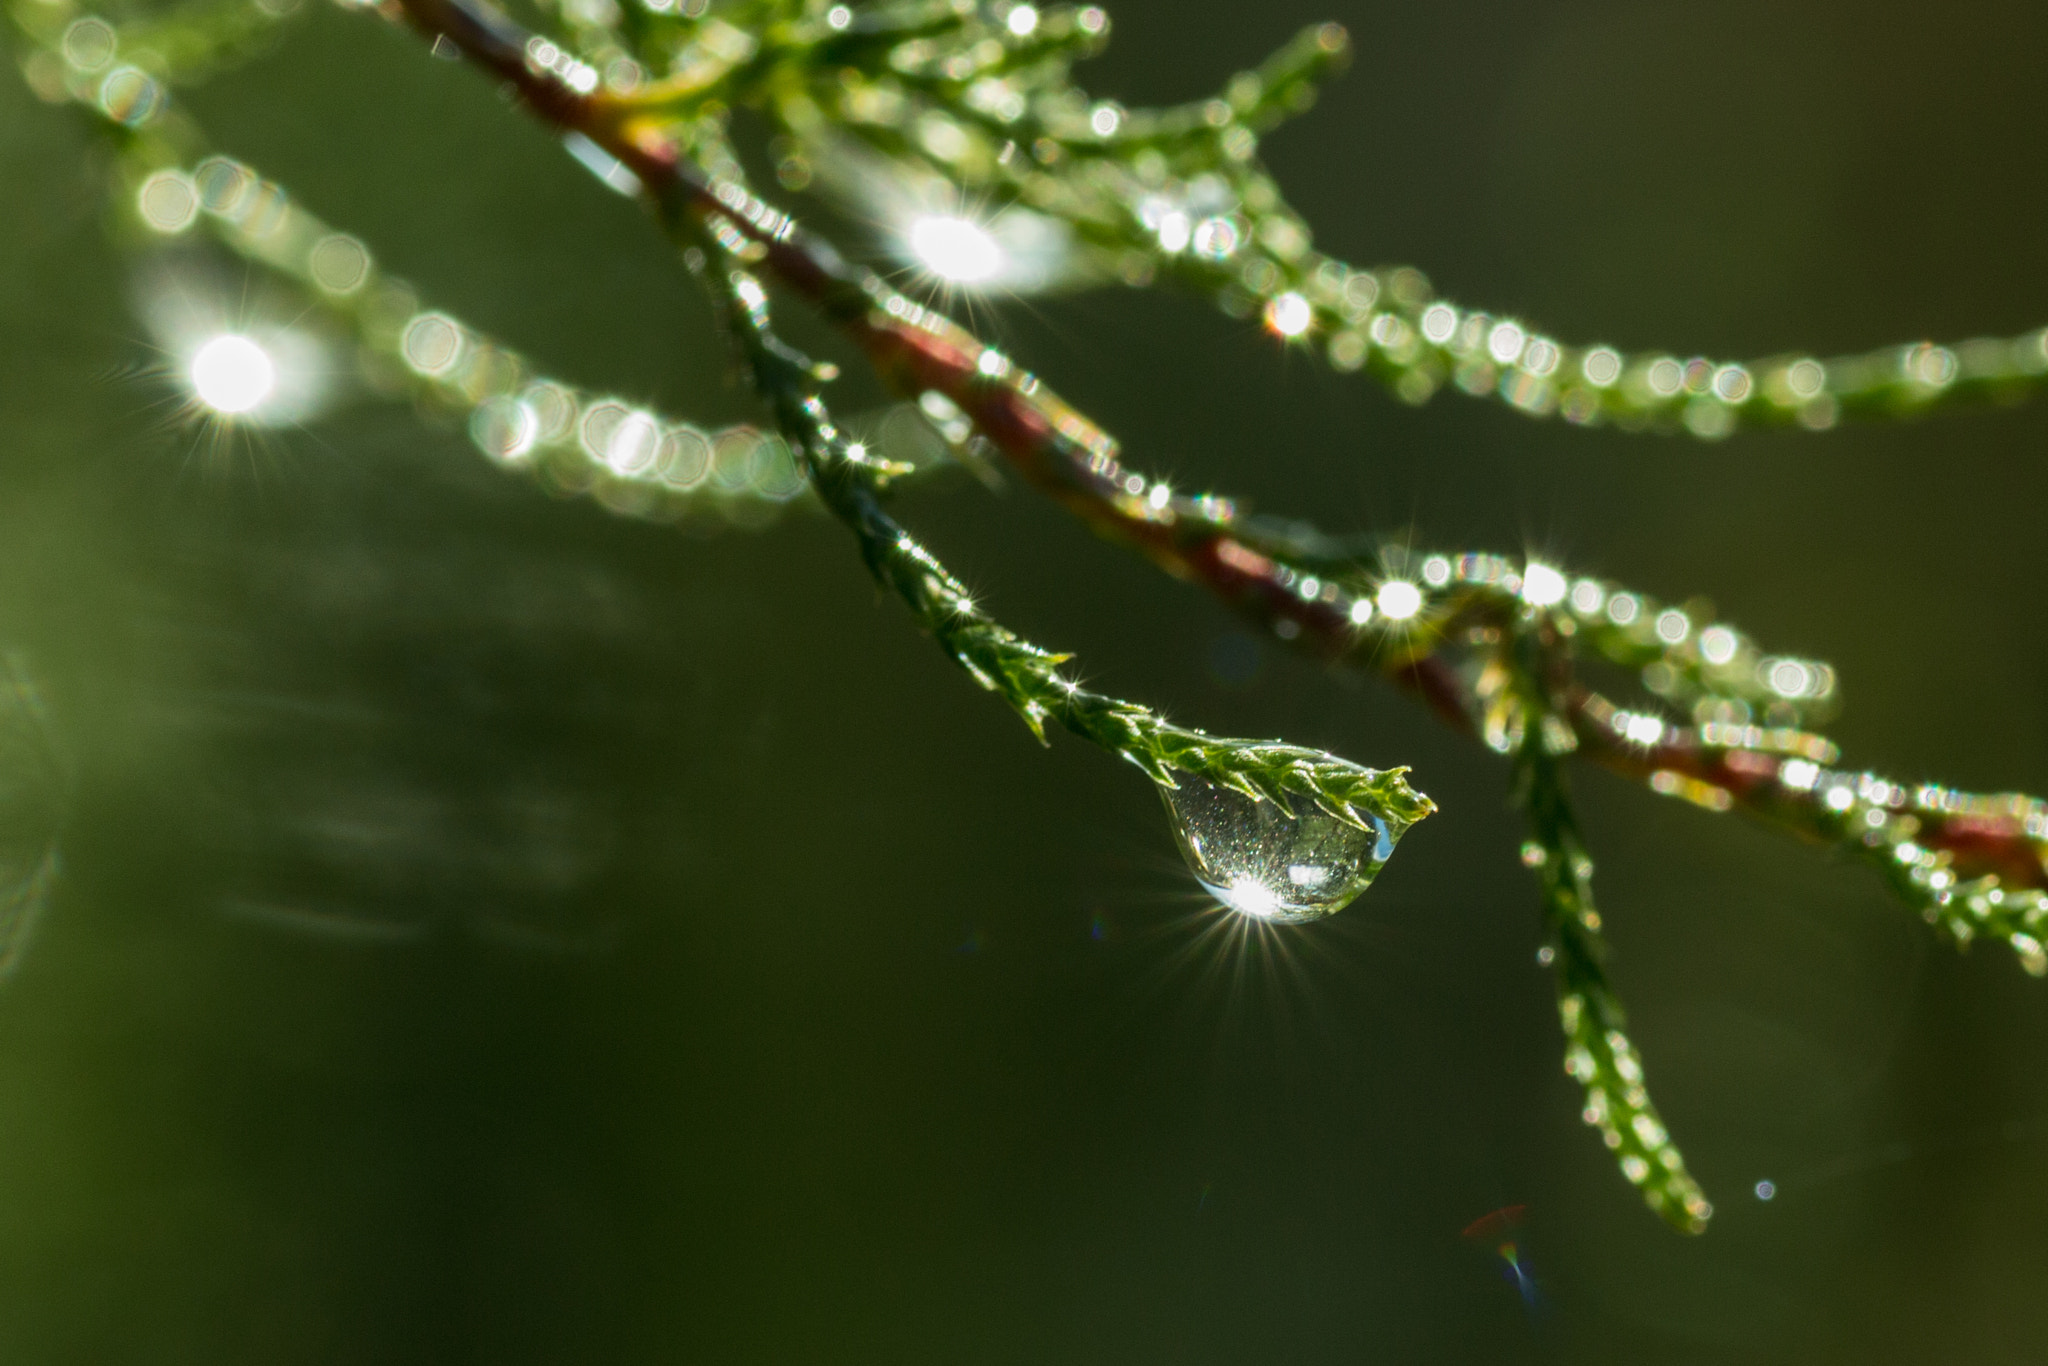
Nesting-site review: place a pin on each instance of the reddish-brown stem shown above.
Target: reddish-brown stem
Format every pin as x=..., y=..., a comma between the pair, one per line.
x=1979, y=841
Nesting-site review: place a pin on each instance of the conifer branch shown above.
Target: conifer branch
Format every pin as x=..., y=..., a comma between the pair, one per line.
x=1028, y=677
x=1344, y=606
x=963, y=99
x=631, y=459
x=1328, y=597
x=979, y=100
x=1598, y=1052
x=1342, y=612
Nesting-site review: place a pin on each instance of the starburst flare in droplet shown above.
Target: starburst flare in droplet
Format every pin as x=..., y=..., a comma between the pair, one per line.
x=232, y=374
x=1281, y=864
x=957, y=250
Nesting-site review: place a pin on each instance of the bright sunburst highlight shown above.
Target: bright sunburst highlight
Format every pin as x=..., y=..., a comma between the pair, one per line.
x=1248, y=896
x=232, y=374
x=1290, y=315
x=1543, y=586
x=956, y=250
x=1399, y=600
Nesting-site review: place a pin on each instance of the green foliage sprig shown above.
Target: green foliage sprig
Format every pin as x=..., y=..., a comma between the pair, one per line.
x=1598, y=1051
x=987, y=107
x=1028, y=677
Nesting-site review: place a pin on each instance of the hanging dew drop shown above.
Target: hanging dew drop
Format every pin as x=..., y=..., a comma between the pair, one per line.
x=1286, y=864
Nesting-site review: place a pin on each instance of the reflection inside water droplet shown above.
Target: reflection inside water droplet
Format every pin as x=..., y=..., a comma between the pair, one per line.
x=1287, y=864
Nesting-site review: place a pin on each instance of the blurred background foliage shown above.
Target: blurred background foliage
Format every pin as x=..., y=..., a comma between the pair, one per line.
x=494, y=931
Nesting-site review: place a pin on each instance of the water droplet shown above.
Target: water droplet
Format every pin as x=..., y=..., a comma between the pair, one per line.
x=232, y=374
x=956, y=250
x=130, y=97
x=1287, y=864
x=339, y=263
x=168, y=202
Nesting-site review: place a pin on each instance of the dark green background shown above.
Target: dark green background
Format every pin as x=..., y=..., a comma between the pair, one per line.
x=684, y=963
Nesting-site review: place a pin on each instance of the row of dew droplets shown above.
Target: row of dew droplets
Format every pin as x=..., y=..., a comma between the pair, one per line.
x=632, y=461
x=1288, y=865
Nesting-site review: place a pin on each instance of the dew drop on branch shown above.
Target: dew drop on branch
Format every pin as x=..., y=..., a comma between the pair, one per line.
x=1286, y=864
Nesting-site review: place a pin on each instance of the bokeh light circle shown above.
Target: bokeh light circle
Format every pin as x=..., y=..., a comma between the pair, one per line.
x=232, y=374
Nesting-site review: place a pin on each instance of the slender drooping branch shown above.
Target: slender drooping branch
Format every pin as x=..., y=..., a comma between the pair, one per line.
x=1526, y=712
x=631, y=459
x=1029, y=678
